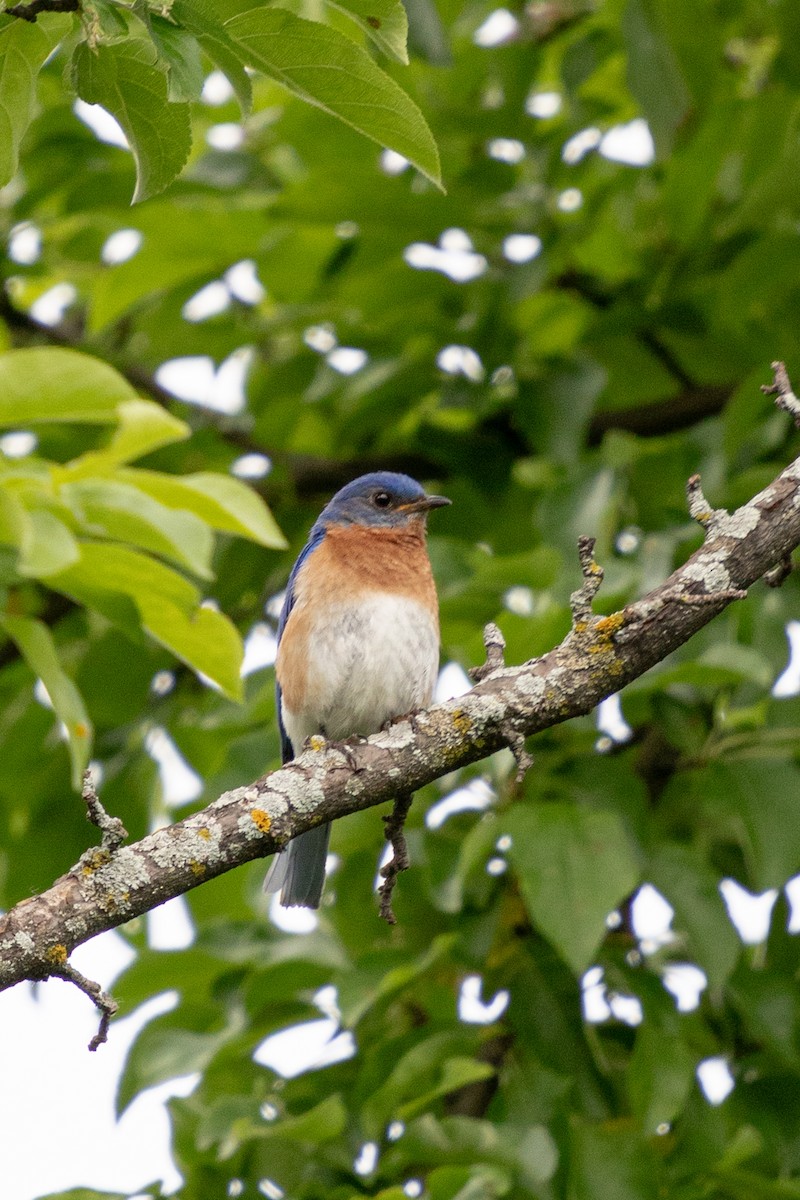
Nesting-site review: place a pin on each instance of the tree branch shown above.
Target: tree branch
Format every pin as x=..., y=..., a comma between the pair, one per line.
x=30, y=11
x=598, y=657
x=665, y=416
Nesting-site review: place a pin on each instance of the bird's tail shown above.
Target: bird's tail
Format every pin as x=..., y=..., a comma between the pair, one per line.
x=299, y=870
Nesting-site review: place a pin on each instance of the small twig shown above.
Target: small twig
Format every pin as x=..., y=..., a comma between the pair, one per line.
x=581, y=601
x=725, y=595
x=786, y=400
x=394, y=825
x=779, y=573
x=103, y=1002
x=699, y=508
x=516, y=744
x=495, y=645
x=31, y=10
x=113, y=831
x=781, y=389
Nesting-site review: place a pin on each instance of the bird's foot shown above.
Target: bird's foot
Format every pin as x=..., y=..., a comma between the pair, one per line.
x=411, y=717
x=346, y=748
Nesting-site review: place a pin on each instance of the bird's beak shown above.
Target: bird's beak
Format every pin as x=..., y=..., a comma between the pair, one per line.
x=424, y=504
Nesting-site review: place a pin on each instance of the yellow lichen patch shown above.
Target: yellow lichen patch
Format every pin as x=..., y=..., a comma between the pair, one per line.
x=205, y=834
x=315, y=742
x=261, y=820
x=57, y=955
x=581, y=626
x=94, y=861
x=197, y=869
x=461, y=722
x=608, y=626
x=452, y=754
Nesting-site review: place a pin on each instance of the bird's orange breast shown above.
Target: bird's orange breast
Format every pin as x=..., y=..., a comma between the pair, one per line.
x=350, y=563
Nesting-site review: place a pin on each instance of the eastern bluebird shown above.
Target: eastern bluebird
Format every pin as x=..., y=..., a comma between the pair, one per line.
x=358, y=638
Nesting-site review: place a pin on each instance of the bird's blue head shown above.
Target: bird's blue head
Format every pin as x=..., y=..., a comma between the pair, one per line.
x=383, y=498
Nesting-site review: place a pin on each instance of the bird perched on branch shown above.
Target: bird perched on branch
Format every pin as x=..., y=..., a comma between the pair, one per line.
x=358, y=638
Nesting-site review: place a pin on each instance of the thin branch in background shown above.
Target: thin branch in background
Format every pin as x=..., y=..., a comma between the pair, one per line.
x=30, y=11
x=664, y=416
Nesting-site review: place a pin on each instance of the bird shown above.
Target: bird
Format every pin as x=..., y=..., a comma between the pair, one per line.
x=358, y=639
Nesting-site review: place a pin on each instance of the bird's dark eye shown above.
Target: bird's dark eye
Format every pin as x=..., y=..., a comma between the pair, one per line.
x=382, y=499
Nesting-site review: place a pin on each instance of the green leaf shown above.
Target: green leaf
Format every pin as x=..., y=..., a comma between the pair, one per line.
x=456, y=1073
x=223, y=502
x=201, y=19
x=24, y=46
x=768, y=1007
x=168, y=606
x=117, y=569
x=143, y=427
x=35, y=643
x=47, y=545
x=124, y=513
x=86, y=1194
x=722, y=665
x=609, y=1162
x=125, y=79
x=206, y=640
x=429, y=1069
x=166, y=1049
x=480, y=1182
x=383, y=21
x=14, y=522
x=55, y=384
x=181, y=53
x=324, y=68
x=654, y=74
x=323, y=1123
x=660, y=1074
x=169, y=260
x=575, y=866
x=747, y=1185
x=693, y=891
x=527, y=1150
x=426, y=33
x=764, y=803
x=361, y=989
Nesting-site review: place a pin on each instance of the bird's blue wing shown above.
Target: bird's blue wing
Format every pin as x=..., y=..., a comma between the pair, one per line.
x=316, y=536
x=298, y=872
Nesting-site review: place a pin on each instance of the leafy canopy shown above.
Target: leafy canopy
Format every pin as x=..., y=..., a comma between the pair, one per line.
x=556, y=343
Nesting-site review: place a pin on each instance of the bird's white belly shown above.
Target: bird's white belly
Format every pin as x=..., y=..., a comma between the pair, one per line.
x=371, y=661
